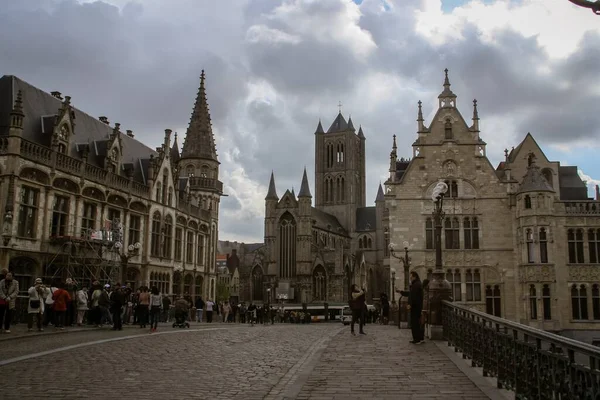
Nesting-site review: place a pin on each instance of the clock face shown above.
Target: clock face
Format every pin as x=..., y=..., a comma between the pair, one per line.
x=63, y=134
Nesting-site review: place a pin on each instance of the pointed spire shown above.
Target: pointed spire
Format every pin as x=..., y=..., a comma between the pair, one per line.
x=475, y=116
x=394, y=147
x=272, y=193
x=199, y=140
x=361, y=135
x=380, y=196
x=447, y=98
x=319, y=128
x=17, y=115
x=304, y=188
x=350, y=124
x=421, y=126
x=175, y=151
x=293, y=193
x=339, y=124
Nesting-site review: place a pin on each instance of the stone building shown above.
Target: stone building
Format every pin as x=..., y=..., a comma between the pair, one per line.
x=521, y=241
x=82, y=199
x=312, y=254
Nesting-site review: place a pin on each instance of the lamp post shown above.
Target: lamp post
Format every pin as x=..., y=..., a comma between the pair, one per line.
x=268, y=305
x=405, y=259
x=132, y=251
x=439, y=287
x=393, y=285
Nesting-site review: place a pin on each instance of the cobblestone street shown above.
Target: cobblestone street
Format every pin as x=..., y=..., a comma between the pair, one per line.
x=223, y=361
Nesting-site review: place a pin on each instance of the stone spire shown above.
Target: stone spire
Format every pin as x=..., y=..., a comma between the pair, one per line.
x=380, y=196
x=534, y=181
x=350, y=124
x=319, y=128
x=447, y=98
x=420, y=119
x=174, y=154
x=475, y=116
x=199, y=139
x=360, y=132
x=393, y=159
x=272, y=193
x=304, y=188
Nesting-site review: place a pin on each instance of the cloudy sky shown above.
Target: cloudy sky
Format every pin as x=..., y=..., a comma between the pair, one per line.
x=274, y=67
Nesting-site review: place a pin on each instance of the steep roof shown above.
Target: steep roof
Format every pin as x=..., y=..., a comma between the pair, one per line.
x=534, y=181
x=304, y=188
x=41, y=107
x=320, y=128
x=175, y=151
x=366, y=219
x=328, y=222
x=571, y=186
x=272, y=192
x=339, y=124
x=199, y=139
x=380, y=196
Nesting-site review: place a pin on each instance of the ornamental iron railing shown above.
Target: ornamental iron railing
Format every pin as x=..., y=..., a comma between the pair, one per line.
x=532, y=363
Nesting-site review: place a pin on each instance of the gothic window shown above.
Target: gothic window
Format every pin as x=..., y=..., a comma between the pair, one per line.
x=527, y=201
x=287, y=246
x=60, y=216
x=189, y=170
x=28, y=211
x=575, y=241
x=452, y=189
x=579, y=302
x=63, y=133
x=595, y=302
x=257, y=283
x=200, y=250
x=546, y=303
x=168, y=237
x=158, y=191
x=455, y=283
x=329, y=154
x=338, y=188
x=155, y=238
x=319, y=284
x=533, y=302
x=135, y=228
x=493, y=300
x=178, y=243
x=448, y=130
x=177, y=283
x=198, y=285
x=473, y=279
x=471, y=233
x=342, y=189
x=187, y=284
x=204, y=173
x=369, y=243
x=530, y=246
x=594, y=245
x=360, y=243
x=189, y=247
x=163, y=197
x=452, y=233
x=62, y=148
x=429, y=237
x=340, y=153
x=543, y=246
x=547, y=173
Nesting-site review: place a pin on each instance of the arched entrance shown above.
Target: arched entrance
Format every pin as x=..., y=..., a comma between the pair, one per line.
x=257, y=283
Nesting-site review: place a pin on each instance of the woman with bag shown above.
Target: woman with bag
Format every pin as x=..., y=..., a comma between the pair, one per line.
x=82, y=305
x=35, y=307
x=9, y=289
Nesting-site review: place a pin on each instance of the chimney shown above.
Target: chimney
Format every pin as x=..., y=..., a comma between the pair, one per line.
x=104, y=119
x=129, y=133
x=597, y=193
x=57, y=95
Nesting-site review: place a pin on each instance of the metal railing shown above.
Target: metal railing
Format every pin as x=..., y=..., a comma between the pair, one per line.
x=532, y=363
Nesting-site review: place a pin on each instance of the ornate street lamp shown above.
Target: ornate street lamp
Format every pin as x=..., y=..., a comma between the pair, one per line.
x=439, y=287
x=405, y=259
x=132, y=251
x=393, y=270
x=591, y=4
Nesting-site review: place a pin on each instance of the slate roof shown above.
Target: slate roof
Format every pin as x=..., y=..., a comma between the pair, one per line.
x=401, y=167
x=380, y=195
x=366, y=219
x=571, y=186
x=272, y=193
x=40, y=108
x=327, y=222
x=339, y=124
x=534, y=181
x=304, y=188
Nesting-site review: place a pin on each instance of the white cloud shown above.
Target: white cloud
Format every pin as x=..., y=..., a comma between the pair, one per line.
x=262, y=33
x=590, y=182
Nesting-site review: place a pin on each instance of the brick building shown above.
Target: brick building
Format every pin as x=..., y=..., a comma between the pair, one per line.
x=82, y=199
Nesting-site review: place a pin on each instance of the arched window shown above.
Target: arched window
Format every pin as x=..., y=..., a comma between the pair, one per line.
x=189, y=170
x=533, y=311
x=360, y=243
x=155, y=239
x=493, y=300
x=527, y=201
x=575, y=241
x=287, y=246
x=319, y=284
x=198, y=284
x=168, y=237
x=429, y=238
x=170, y=197
x=543, y=246
x=471, y=233
x=369, y=243
x=579, y=302
x=448, y=129
x=158, y=191
x=530, y=246
x=187, y=284
x=342, y=189
x=595, y=302
x=547, y=173
x=452, y=233
x=454, y=278
x=177, y=283
x=338, y=187
x=546, y=303
x=257, y=283
x=594, y=245
x=205, y=172
x=163, y=195
x=473, y=279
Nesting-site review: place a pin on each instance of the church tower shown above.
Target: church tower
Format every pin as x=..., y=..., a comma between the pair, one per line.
x=199, y=163
x=340, y=177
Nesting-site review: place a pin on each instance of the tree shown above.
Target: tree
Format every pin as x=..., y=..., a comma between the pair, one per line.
x=222, y=291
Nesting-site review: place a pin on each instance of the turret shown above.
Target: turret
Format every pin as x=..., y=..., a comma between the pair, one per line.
x=304, y=196
x=447, y=99
x=420, y=120
x=475, y=126
x=393, y=159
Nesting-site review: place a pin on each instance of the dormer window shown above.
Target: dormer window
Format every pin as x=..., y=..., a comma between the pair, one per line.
x=63, y=133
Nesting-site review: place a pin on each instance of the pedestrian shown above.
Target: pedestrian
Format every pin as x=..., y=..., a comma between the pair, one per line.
x=415, y=305
x=226, y=311
x=425, y=312
x=199, y=308
x=9, y=290
x=35, y=306
x=357, y=305
x=82, y=305
x=117, y=301
x=96, y=313
x=155, y=306
x=252, y=313
x=143, y=306
x=61, y=299
x=209, y=310
x=104, y=306
x=166, y=306
x=385, y=309
x=70, y=315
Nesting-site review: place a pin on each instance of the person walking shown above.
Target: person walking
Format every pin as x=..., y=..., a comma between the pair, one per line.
x=209, y=310
x=144, y=304
x=35, y=306
x=155, y=306
x=415, y=305
x=226, y=311
x=117, y=301
x=357, y=305
x=199, y=309
x=82, y=305
x=9, y=289
x=61, y=299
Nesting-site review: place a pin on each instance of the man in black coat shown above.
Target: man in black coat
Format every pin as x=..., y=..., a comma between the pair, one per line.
x=117, y=300
x=415, y=305
x=358, y=305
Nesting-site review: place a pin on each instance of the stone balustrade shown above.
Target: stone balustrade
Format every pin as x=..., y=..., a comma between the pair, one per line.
x=590, y=207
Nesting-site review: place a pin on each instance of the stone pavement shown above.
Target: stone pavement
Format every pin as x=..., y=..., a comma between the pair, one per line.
x=231, y=361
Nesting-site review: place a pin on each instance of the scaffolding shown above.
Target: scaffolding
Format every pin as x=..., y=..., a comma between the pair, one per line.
x=93, y=256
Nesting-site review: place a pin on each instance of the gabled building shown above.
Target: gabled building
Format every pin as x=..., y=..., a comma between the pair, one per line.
x=82, y=199
x=521, y=241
